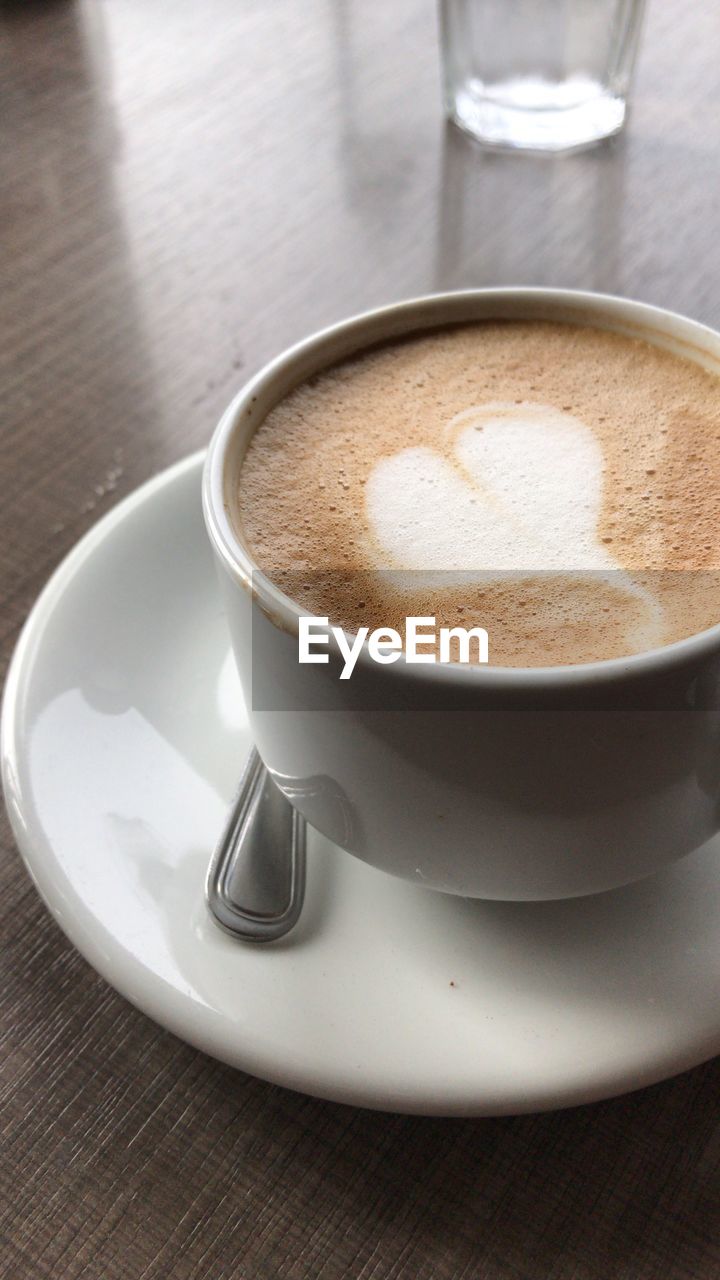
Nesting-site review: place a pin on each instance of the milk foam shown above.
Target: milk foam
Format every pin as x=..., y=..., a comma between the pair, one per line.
x=517, y=489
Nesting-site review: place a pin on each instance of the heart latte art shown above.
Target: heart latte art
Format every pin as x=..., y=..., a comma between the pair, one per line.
x=519, y=489
x=558, y=485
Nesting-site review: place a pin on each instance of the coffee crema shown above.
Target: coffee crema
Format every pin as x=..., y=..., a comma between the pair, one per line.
x=556, y=484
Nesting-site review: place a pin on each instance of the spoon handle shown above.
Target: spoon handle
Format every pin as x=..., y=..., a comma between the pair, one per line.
x=256, y=880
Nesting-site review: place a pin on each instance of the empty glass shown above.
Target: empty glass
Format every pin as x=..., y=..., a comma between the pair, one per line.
x=548, y=75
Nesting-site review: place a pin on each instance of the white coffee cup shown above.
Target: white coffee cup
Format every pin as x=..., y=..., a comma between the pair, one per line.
x=488, y=782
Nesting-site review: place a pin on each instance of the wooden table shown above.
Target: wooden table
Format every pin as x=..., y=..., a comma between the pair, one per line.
x=187, y=188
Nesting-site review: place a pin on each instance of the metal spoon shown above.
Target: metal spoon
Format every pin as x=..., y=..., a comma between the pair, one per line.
x=256, y=880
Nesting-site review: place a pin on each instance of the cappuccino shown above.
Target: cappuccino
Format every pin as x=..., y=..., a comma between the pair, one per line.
x=555, y=484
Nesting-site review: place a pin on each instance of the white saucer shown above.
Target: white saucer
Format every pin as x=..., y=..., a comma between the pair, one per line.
x=123, y=736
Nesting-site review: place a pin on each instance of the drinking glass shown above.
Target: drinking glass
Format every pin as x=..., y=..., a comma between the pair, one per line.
x=545, y=75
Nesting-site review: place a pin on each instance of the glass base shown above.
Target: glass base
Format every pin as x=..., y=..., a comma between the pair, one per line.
x=537, y=115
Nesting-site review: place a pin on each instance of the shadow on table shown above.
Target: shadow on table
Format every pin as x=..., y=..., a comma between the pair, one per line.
x=516, y=219
x=621, y=1189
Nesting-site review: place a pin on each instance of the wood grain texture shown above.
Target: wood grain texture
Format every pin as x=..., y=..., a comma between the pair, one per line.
x=186, y=189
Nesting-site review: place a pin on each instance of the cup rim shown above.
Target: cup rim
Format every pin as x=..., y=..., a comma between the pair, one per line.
x=284, y=612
